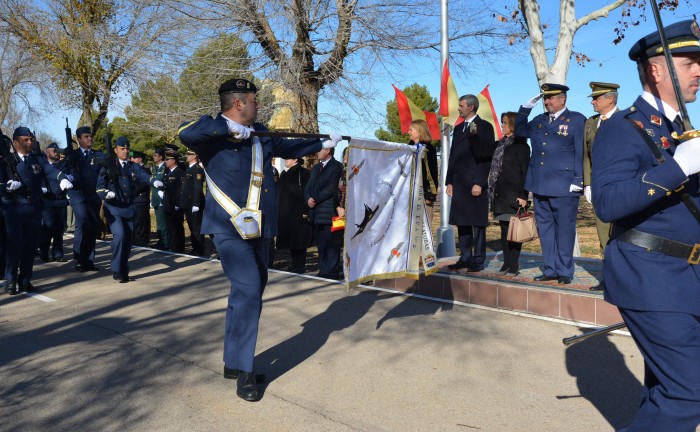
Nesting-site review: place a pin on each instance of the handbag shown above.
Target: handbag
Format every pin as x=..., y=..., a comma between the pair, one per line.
x=337, y=223
x=522, y=227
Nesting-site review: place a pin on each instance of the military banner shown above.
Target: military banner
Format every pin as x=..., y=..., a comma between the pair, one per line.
x=387, y=234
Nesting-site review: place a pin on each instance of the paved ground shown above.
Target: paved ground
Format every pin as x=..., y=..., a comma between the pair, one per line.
x=146, y=356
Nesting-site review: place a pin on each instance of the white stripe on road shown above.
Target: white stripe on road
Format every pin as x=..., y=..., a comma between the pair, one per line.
x=41, y=297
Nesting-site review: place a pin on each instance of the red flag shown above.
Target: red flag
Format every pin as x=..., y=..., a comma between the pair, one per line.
x=487, y=112
x=408, y=111
x=449, y=100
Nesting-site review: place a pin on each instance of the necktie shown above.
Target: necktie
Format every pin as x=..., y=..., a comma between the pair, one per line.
x=678, y=122
x=551, y=119
x=603, y=118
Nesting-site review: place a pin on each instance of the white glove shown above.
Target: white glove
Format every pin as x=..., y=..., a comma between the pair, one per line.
x=44, y=190
x=195, y=209
x=65, y=184
x=333, y=141
x=70, y=177
x=574, y=188
x=161, y=194
x=532, y=101
x=587, y=193
x=238, y=131
x=686, y=156
x=13, y=185
x=157, y=184
x=110, y=195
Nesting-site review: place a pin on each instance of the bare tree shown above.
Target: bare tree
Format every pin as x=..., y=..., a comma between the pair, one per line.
x=90, y=45
x=309, y=46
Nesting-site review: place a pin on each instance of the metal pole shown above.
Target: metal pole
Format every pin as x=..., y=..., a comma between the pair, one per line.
x=445, y=233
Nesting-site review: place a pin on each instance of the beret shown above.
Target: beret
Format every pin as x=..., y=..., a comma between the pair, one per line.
x=238, y=85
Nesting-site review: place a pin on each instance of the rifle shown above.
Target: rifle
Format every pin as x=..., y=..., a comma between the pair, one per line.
x=110, y=162
x=8, y=155
x=70, y=153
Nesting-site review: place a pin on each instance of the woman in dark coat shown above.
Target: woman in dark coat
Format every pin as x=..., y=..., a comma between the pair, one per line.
x=294, y=231
x=507, y=187
x=419, y=132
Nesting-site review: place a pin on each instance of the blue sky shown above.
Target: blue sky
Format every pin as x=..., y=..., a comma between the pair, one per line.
x=511, y=83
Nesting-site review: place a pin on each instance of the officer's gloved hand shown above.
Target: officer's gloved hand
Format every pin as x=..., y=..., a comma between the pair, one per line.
x=532, y=101
x=13, y=185
x=110, y=195
x=157, y=184
x=574, y=188
x=686, y=156
x=238, y=131
x=161, y=194
x=44, y=190
x=65, y=184
x=195, y=209
x=587, y=193
x=333, y=141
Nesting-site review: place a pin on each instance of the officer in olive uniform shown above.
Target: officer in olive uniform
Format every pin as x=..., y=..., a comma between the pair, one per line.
x=118, y=183
x=53, y=218
x=170, y=200
x=84, y=200
x=156, y=203
x=142, y=200
x=604, y=101
x=192, y=201
x=555, y=177
x=236, y=165
x=22, y=205
x=651, y=261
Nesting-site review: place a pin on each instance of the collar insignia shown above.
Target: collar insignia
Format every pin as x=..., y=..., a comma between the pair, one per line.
x=656, y=120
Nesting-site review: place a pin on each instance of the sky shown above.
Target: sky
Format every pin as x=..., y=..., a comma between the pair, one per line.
x=511, y=82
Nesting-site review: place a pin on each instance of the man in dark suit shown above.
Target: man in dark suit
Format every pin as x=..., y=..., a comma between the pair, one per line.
x=118, y=184
x=156, y=203
x=605, y=105
x=641, y=177
x=321, y=195
x=142, y=202
x=473, y=144
x=241, y=212
x=53, y=216
x=84, y=200
x=172, y=193
x=192, y=201
x=555, y=177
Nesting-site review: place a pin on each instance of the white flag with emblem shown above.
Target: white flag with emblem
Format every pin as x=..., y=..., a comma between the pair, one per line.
x=387, y=233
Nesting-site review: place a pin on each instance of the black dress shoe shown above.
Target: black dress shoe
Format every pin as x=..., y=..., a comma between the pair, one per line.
x=230, y=373
x=458, y=265
x=117, y=276
x=564, y=280
x=60, y=259
x=599, y=287
x=28, y=287
x=544, y=278
x=80, y=268
x=11, y=287
x=124, y=279
x=91, y=267
x=247, y=387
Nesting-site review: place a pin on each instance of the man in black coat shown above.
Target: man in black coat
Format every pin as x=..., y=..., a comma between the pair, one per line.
x=174, y=215
x=321, y=195
x=142, y=202
x=472, y=148
x=192, y=201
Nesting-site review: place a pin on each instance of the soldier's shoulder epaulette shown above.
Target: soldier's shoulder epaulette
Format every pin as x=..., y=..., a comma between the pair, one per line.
x=627, y=111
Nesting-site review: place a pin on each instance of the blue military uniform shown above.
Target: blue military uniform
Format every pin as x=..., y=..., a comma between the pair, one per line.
x=53, y=218
x=655, y=288
x=125, y=180
x=86, y=205
x=228, y=163
x=159, y=174
x=22, y=211
x=555, y=165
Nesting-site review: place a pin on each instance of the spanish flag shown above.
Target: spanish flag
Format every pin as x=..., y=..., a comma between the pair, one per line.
x=487, y=112
x=408, y=111
x=449, y=100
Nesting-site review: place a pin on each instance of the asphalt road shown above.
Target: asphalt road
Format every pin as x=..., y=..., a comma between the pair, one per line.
x=95, y=355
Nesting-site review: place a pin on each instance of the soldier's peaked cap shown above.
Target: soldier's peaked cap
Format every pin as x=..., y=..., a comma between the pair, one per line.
x=682, y=37
x=238, y=85
x=599, y=88
x=83, y=130
x=549, y=89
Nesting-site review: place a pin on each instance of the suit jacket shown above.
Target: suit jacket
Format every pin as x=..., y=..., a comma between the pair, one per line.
x=85, y=173
x=323, y=188
x=125, y=186
x=229, y=162
x=557, y=152
x=193, y=188
x=158, y=174
x=633, y=190
x=469, y=164
x=172, y=189
x=590, y=129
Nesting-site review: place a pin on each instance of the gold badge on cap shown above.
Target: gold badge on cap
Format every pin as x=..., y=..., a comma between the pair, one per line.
x=695, y=29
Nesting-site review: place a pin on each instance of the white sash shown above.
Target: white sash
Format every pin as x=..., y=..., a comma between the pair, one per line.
x=248, y=220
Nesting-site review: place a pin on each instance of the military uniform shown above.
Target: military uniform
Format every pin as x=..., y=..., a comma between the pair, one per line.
x=142, y=200
x=228, y=163
x=556, y=164
x=655, y=288
x=53, y=218
x=174, y=215
x=124, y=180
x=193, y=196
x=156, y=203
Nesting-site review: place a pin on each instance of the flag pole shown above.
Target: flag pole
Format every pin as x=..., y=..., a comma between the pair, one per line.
x=445, y=233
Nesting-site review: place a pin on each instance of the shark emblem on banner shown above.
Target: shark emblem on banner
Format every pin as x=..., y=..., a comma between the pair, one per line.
x=369, y=214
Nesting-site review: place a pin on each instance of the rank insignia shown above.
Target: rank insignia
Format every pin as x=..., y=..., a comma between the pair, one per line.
x=651, y=192
x=664, y=142
x=563, y=130
x=199, y=176
x=656, y=120
x=638, y=123
x=562, y=117
x=650, y=132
